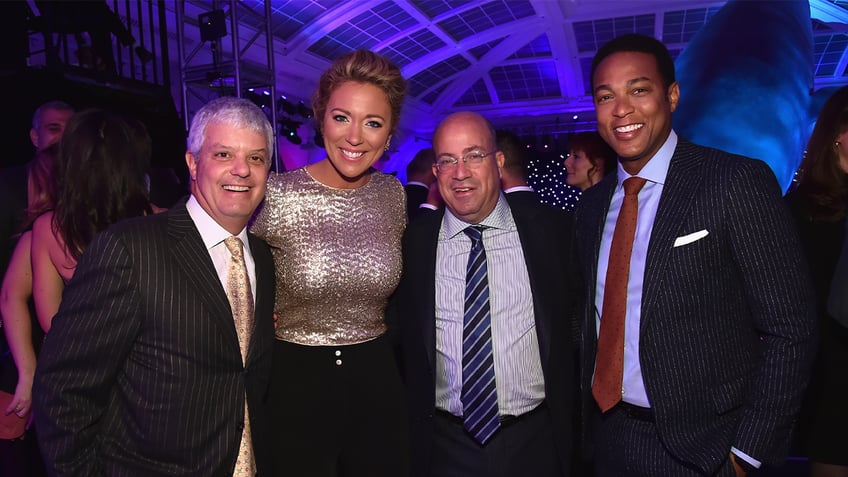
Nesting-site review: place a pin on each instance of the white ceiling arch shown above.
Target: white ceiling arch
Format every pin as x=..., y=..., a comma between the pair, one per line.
x=516, y=61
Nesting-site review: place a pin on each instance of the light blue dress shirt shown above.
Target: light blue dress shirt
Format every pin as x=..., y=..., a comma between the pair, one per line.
x=655, y=171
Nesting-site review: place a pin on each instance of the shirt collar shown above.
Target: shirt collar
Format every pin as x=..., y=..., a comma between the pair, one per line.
x=520, y=188
x=656, y=169
x=499, y=218
x=211, y=232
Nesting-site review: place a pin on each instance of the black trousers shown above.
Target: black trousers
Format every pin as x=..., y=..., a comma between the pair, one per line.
x=523, y=448
x=628, y=445
x=338, y=411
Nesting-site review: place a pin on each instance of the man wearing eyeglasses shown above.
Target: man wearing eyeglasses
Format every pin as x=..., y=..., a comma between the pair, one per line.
x=484, y=307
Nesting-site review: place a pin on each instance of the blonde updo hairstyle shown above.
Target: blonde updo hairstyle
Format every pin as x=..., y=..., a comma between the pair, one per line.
x=361, y=66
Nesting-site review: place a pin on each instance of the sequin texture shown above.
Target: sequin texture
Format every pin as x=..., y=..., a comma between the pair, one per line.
x=337, y=255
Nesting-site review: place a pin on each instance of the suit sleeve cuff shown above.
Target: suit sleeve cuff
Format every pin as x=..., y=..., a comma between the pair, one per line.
x=745, y=461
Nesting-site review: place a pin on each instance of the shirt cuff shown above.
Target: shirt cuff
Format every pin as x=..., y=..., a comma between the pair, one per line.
x=425, y=205
x=743, y=456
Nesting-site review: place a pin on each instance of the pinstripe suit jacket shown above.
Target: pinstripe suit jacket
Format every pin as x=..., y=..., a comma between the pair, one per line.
x=728, y=326
x=142, y=374
x=545, y=235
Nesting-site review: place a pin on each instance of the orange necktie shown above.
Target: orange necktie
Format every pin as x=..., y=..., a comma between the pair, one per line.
x=609, y=364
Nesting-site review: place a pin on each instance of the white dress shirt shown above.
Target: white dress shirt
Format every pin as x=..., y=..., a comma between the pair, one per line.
x=515, y=346
x=213, y=236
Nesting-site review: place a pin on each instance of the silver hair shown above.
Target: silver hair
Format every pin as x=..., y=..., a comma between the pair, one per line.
x=236, y=112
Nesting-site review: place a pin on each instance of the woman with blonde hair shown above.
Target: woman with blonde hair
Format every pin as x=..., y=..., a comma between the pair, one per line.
x=335, y=229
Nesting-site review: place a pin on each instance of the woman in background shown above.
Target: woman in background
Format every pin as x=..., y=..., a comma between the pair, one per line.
x=22, y=331
x=24, y=339
x=589, y=160
x=819, y=204
x=104, y=158
x=335, y=230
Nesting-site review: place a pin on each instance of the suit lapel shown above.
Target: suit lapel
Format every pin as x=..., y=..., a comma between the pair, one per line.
x=428, y=256
x=680, y=187
x=420, y=245
x=593, y=210
x=190, y=254
x=532, y=244
x=264, y=273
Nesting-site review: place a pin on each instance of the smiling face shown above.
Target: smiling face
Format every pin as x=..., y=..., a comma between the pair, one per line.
x=228, y=174
x=51, y=126
x=356, y=128
x=581, y=172
x=470, y=192
x=632, y=106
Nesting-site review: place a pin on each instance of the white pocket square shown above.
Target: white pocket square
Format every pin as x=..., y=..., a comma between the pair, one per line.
x=687, y=239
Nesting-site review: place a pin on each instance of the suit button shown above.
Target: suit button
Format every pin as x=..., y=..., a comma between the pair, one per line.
x=338, y=362
x=240, y=426
x=338, y=352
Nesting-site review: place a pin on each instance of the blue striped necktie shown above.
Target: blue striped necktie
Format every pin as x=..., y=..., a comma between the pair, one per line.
x=479, y=394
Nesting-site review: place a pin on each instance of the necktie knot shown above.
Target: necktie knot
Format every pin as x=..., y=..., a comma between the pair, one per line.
x=633, y=185
x=235, y=246
x=475, y=233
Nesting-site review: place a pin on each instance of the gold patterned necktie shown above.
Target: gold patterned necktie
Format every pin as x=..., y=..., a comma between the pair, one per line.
x=241, y=302
x=609, y=363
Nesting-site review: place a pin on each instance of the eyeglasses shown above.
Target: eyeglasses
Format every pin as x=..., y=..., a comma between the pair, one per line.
x=473, y=158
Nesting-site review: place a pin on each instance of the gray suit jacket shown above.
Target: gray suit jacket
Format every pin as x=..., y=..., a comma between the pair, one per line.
x=728, y=325
x=142, y=374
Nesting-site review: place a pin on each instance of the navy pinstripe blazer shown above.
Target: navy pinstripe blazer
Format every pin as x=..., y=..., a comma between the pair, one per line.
x=728, y=325
x=141, y=373
x=545, y=235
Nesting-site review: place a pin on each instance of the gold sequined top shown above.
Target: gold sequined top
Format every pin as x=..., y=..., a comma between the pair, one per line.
x=337, y=255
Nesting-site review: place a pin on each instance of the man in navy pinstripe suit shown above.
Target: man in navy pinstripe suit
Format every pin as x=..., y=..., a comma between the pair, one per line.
x=719, y=323
x=142, y=373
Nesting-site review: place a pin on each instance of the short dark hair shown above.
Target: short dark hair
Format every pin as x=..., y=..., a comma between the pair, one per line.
x=421, y=164
x=634, y=42
x=515, y=157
